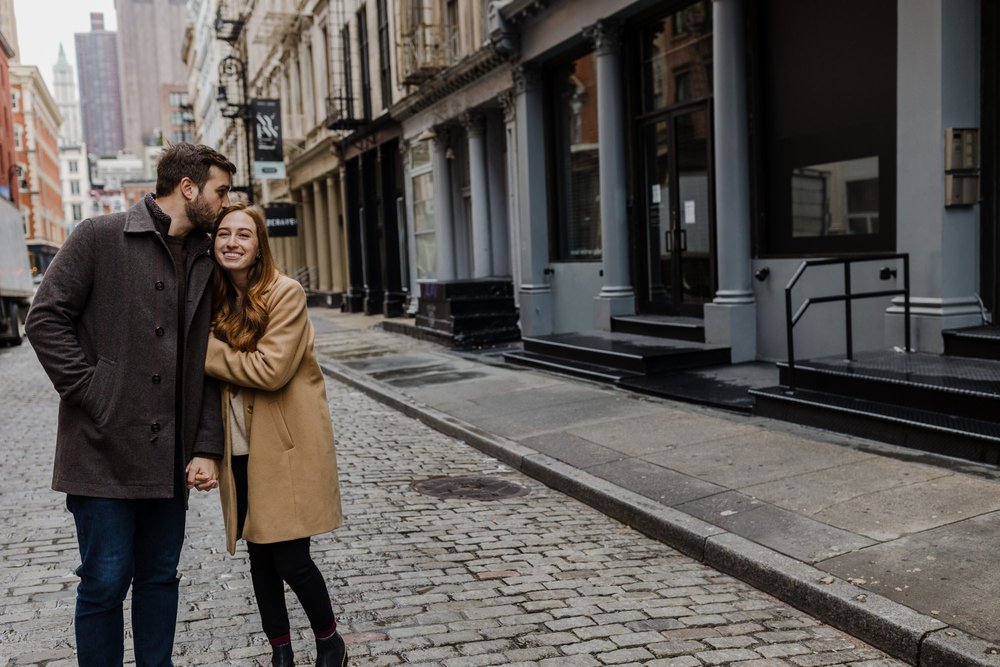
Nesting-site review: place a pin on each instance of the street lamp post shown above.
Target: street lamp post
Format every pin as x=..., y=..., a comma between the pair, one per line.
x=233, y=70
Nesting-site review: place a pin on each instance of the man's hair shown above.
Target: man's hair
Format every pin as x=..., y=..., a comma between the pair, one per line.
x=191, y=160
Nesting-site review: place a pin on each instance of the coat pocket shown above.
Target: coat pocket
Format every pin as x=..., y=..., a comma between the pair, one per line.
x=98, y=398
x=280, y=426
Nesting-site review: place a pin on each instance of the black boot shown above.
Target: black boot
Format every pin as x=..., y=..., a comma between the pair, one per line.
x=331, y=652
x=283, y=656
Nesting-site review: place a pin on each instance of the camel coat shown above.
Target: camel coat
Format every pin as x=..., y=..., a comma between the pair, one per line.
x=292, y=485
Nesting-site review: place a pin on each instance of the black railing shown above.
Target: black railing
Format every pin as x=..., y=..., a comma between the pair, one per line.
x=848, y=296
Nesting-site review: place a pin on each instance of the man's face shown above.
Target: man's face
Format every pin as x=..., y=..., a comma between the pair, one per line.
x=206, y=206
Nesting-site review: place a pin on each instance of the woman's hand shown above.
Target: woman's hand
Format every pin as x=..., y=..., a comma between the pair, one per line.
x=202, y=474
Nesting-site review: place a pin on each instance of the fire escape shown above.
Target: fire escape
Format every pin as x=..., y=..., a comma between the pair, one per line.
x=341, y=108
x=422, y=49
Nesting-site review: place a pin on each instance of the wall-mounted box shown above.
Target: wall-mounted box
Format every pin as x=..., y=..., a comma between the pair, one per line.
x=961, y=189
x=961, y=148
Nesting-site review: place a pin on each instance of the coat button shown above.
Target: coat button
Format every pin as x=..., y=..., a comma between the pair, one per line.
x=159, y=331
x=155, y=427
x=250, y=409
x=156, y=378
x=159, y=284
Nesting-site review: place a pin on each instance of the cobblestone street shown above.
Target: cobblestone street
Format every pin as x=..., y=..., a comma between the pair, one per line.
x=536, y=579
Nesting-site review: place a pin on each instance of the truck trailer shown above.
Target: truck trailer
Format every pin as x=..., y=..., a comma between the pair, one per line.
x=16, y=284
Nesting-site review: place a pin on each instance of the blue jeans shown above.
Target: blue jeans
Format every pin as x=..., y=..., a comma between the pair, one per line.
x=126, y=543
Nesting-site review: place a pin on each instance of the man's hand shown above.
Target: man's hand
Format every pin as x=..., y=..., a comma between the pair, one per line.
x=202, y=474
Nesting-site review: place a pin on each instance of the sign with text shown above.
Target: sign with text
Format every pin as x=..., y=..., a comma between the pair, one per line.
x=268, y=160
x=281, y=220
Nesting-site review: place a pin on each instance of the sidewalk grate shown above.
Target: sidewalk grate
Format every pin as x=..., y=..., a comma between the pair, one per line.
x=469, y=488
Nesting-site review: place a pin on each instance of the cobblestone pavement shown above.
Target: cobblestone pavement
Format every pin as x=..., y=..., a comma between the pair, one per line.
x=538, y=579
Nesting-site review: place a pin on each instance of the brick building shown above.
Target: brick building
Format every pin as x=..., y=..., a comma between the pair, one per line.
x=36, y=131
x=8, y=172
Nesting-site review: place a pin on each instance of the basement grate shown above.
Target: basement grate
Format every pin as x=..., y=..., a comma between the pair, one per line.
x=469, y=488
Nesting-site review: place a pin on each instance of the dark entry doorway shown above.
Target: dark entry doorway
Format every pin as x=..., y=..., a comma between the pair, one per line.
x=680, y=263
x=675, y=235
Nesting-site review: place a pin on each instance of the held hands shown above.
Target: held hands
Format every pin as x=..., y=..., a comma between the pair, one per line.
x=202, y=474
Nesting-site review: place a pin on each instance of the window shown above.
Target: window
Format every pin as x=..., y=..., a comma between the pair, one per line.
x=22, y=181
x=385, y=74
x=451, y=30
x=828, y=153
x=425, y=245
x=74, y=187
x=835, y=199
x=74, y=166
x=18, y=138
x=676, y=54
x=77, y=211
x=366, y=78
x=348, y=83
x=15, y=100
x=577, y=156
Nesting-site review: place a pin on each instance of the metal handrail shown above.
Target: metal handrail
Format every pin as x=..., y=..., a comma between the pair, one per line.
x=848, y=296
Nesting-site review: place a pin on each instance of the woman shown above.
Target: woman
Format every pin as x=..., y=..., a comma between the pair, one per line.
x=278, y=481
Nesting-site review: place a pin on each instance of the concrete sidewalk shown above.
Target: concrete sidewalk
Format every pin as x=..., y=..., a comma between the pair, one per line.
x=892, y=545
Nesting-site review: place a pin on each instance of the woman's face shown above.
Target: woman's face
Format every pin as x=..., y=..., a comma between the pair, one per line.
x=236, y=244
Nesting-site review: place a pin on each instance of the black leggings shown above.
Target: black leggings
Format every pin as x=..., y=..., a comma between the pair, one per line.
x=278, y=562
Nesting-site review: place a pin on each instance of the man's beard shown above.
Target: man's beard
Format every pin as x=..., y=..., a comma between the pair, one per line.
x=200, y=214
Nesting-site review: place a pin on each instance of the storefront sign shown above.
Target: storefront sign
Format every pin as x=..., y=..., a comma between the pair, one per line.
x=281, y=220
x=268, y=160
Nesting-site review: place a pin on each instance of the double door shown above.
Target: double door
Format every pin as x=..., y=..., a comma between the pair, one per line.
x=678, y=214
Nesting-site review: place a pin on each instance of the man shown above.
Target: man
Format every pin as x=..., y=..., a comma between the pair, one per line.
x=120, y=324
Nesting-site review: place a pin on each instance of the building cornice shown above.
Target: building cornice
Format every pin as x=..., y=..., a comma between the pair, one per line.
x=447, y=83
x=5, y=45
x=519, y=11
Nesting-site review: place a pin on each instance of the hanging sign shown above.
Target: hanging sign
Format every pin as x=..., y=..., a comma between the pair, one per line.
x=268, y=160
x=281, y=220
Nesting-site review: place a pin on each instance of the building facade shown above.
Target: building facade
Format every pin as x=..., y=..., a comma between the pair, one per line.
x=36, y=132
x=75, y=178
x=616, y=158
x=64, y=92
x=201, y=52
x=150, y=36
x=9, y=189
x=100, y=90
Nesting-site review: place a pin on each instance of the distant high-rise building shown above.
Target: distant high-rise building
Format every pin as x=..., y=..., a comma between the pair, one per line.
x=150, y=39
x=100, y=91
x=71, y=132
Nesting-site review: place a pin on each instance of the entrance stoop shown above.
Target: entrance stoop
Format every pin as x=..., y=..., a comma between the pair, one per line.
x=947, y=404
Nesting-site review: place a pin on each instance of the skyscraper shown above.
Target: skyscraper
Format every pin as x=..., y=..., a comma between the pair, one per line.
x=150, y=37
x=71, y=132
x=100, y=92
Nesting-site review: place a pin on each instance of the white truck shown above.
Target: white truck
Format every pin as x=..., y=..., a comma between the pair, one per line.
x=16, y=284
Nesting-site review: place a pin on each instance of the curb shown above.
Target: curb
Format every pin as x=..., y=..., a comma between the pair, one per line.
x=900, y=631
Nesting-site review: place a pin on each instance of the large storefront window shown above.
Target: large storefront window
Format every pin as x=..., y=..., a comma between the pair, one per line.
x=577, y=160
x=828, y=149
x=423, y=210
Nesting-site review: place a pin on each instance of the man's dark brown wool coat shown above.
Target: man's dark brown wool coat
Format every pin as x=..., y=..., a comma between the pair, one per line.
x=104, y=326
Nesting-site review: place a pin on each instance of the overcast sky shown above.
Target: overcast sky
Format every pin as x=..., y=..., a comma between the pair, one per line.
x=43, y=24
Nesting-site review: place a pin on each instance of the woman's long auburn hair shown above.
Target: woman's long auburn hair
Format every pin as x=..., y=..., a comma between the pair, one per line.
x=241, y=323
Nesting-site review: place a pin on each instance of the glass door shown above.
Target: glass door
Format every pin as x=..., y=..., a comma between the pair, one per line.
x=679, y=222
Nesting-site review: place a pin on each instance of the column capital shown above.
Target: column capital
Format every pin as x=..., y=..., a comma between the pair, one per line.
x=527, y=78
x=474, y=122
x=606, y=36
x=506, y=100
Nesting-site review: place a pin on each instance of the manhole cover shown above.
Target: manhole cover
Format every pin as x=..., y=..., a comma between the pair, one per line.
x=471, y=488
